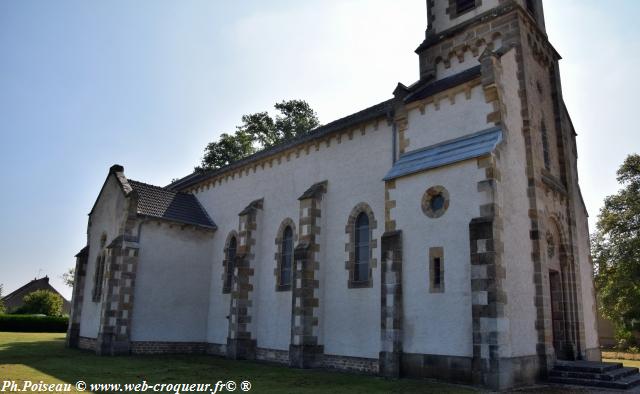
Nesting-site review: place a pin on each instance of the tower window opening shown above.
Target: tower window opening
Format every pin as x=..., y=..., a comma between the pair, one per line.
x=464, y=5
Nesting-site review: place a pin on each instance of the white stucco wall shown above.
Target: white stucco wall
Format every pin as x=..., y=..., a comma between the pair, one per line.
x=172, y=284
x=586, y=276
x=354, y=170
x=519, y=285
x=438, y=323
x=106, y=218
x=450, y=121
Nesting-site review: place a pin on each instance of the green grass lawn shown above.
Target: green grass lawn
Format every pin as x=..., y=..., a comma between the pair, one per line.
x=35, y=357
x=42, y=357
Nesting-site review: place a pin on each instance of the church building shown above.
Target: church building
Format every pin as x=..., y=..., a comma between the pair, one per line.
x=440, y=233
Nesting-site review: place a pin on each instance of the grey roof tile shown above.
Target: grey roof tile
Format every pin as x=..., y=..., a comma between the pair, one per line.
x=168, y=204
x=445, y=153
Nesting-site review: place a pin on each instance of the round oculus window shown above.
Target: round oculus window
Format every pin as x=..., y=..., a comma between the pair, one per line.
x=435, y=201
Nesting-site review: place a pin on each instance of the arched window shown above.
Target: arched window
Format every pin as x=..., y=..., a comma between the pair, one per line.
x=361, y=258
x=361, y=271
x=230, y=260
x=286, y=258
x=285, y=240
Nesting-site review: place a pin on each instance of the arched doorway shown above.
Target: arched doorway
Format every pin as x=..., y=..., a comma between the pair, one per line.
x=563, y=295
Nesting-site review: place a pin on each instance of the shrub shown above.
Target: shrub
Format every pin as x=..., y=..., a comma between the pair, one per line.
x=31, y=323
x=42, y=302
x=624, y=338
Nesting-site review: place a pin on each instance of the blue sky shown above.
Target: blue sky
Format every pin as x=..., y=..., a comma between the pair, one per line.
x=146, y=84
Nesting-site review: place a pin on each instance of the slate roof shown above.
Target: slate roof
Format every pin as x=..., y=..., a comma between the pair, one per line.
x=443, y=84
x=168, y=204
x=448, y=152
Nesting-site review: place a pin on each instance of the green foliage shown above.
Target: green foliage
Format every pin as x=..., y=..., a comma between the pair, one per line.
x=615, y=247
x=260, y=131
x=624, y=338
x=42, y=302
x=29, y=323
x=69, y=276
x=226, y=150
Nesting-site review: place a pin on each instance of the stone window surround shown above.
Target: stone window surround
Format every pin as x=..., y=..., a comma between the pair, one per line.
x=452, y=10
x=430, y=194
x=350, y=230
x=436, y=252
x=226, y=287
x=288, y=222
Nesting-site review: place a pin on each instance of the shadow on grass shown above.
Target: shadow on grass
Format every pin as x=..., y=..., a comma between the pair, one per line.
x=46, y=357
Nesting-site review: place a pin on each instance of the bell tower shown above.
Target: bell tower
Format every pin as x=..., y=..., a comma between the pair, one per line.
x=448, y=18
x=501, y=46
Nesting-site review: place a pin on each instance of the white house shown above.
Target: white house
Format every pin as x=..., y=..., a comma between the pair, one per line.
x=440, y=233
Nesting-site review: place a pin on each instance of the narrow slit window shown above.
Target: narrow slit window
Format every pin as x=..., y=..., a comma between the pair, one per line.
x=230, y=263
x=286, y=258
x=98, y=278
x=436, y=270
x=361, y=271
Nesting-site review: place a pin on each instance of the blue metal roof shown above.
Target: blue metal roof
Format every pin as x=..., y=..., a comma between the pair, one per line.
x=448, y=152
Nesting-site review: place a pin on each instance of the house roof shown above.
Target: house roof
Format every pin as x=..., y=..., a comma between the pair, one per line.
x=378, y=110
x=158, y=202
x=36, y=284
x=445, y=153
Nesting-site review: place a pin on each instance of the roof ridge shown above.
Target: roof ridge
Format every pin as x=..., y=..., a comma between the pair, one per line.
x=163, y=188
x=310, y=135
x=23, y=286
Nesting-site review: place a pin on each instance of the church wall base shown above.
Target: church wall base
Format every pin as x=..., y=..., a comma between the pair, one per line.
x=241, y=349
x=450, y=368
x=272, y=356
x=389, y=364
x=511, y=372
x=368, y=366
x=152, y=347
x=85, y=343
x=305, y=356
x=73, y=335
x=110, y=344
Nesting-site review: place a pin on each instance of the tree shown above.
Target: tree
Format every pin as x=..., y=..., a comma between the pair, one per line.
x=69, y=276
x=226, y=150
x=260, y=131
x=616, y=251
x=42, y=302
